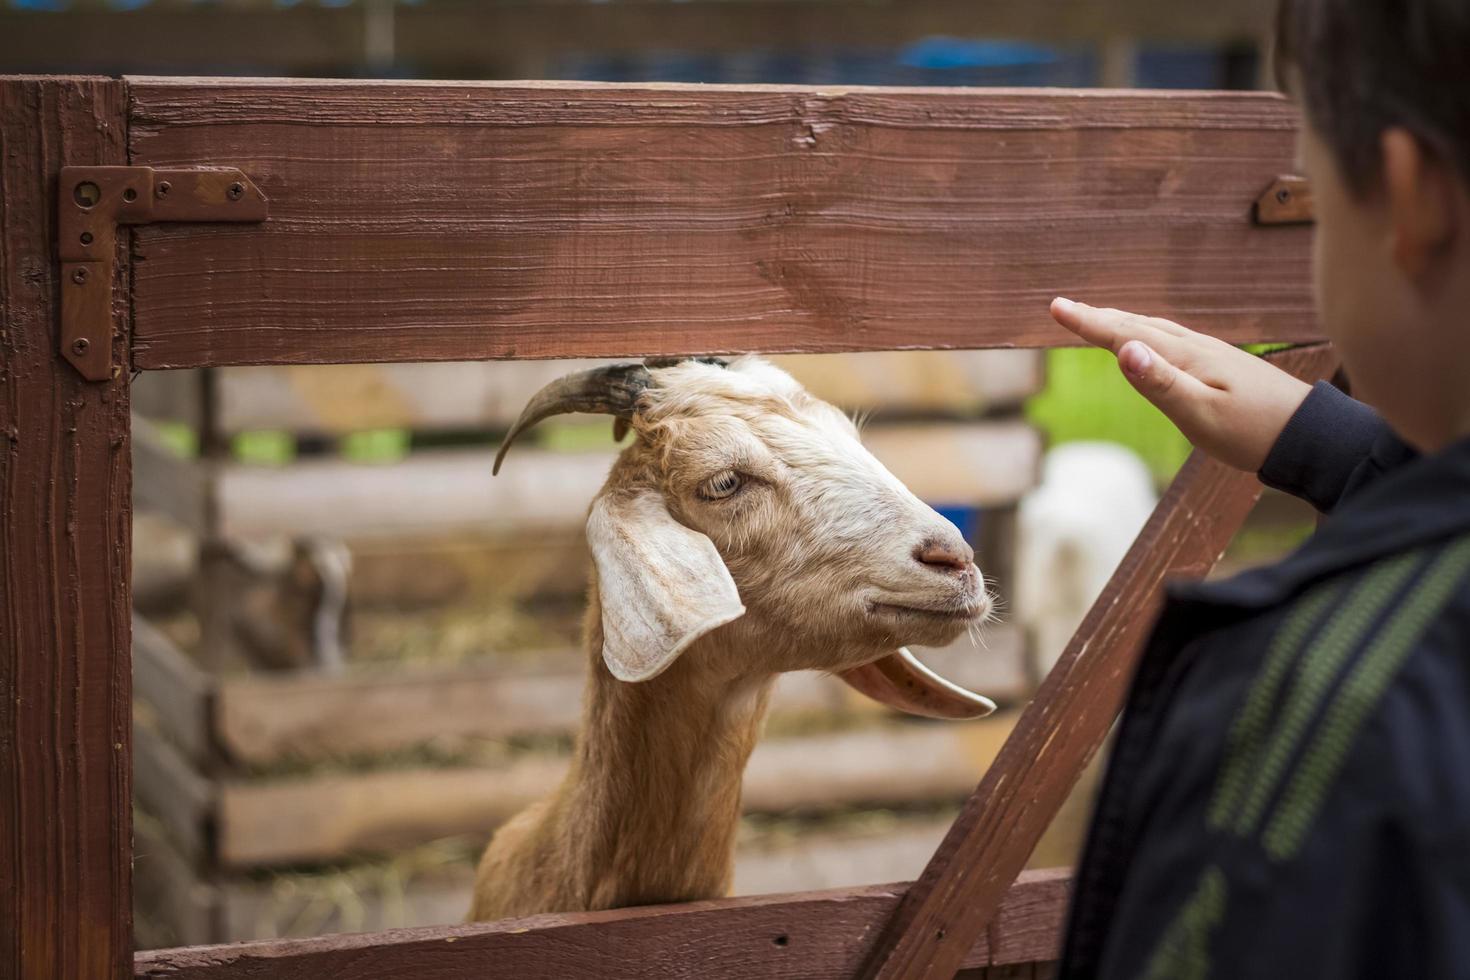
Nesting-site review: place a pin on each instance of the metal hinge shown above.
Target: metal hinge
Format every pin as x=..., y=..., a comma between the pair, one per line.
x=91, y=203
x=1288, y=201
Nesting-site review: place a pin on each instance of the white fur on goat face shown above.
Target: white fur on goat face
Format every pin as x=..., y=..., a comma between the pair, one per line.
x=820, y=540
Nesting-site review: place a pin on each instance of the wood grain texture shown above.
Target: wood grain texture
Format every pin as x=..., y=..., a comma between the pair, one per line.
x=962, y=888
x=458, y=221
x=813, y=935
x=65, y=530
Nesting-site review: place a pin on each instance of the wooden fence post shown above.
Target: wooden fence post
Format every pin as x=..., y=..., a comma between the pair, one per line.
x=65, y=545
x=957, y=896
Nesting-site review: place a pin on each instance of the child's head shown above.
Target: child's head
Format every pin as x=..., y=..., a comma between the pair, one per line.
x=1386, y=92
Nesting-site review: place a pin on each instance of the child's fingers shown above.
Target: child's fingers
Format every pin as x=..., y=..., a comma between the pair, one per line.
x=1110, y=328
x=1178, y=394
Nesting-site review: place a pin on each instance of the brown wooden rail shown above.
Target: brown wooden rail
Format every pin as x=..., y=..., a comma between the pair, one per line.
x=458, y=221
x=810, y=935
x=420, y=222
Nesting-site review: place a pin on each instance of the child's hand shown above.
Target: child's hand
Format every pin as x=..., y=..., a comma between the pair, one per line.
x=1231, y=404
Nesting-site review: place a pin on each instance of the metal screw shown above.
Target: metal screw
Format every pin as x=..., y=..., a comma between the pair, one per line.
x=79, y=276
x=87, y=194
x=80, y=345
x=1283, y=195
x=162, y=189
x=130, y=195
x=236, y=191
x=86, y=238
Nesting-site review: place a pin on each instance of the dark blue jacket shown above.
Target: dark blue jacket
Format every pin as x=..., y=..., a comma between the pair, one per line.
x=1289, y=794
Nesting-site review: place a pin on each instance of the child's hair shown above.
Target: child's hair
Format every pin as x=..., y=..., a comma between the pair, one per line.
x=1363, y=66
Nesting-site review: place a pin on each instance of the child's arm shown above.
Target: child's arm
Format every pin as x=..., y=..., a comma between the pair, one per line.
x=1236, y=406
x=1229, y=403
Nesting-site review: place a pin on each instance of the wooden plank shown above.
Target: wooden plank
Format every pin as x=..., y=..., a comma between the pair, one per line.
x=174, y=792
x=815, y=935
x=309, y=819
x=434, y=492
x=260, y=720
x=611, y=220
x=165, y=482
x=970, y=464
x=177, y=692
x=168, y=396
x=65, y=530
x=454, y=491
x=414, y=889
x=487, y=39
x=432, y=886
x=340, y=398
x=468, y=568
x=179, y=907
x=915, y=382
x=961, y=889
x=164, y=559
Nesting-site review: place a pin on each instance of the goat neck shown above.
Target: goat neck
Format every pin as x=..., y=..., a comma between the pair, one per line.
x=649, y=810
x=659, y=769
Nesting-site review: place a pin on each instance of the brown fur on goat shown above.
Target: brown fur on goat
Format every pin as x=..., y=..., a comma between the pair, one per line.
x=818, y=558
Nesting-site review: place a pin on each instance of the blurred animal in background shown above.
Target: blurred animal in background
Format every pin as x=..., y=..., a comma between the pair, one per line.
x=291, y=608
x=745, y=531
x=1073, y=530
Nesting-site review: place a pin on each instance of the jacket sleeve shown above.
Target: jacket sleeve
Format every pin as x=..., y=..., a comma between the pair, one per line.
x=1331, y=448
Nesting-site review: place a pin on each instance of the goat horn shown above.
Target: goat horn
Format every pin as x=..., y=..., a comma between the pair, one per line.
x=611, y=390
x=900, y=681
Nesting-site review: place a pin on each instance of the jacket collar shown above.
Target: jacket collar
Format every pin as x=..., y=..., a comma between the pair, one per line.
x=1425, y=499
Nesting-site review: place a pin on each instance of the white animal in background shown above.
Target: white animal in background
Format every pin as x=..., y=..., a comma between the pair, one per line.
x=1073, y=529
x=744, y=532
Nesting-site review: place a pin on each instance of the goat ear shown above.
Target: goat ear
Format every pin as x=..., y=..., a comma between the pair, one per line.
x=901, y=681
x=662, y=585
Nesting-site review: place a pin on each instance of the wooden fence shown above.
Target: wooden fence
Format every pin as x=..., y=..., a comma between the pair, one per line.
x=424, y=222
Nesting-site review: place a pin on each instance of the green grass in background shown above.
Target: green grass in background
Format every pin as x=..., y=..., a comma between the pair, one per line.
x=179, y=437
x=1087, y=397
x=376, y=445
x=264, y=448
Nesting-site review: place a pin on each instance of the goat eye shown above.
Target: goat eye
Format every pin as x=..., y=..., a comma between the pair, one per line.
x=721, y=485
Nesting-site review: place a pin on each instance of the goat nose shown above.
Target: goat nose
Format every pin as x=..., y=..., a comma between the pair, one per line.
x=945, y=556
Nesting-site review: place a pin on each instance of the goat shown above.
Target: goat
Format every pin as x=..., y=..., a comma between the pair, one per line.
x=745, y=531
x=1072, y=530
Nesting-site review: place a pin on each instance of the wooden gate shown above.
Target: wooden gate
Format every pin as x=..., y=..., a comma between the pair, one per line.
x=460, y=221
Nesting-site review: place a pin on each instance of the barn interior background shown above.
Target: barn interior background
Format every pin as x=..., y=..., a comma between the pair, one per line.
x=356, y=652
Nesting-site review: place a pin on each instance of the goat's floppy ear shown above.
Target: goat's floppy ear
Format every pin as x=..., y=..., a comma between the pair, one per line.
x=662, y=585
x=900, y=681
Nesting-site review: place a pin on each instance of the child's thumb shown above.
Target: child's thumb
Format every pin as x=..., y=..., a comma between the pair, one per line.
x=1155, y=378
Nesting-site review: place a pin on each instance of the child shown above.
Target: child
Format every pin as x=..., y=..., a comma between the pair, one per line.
x=1289, y=795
